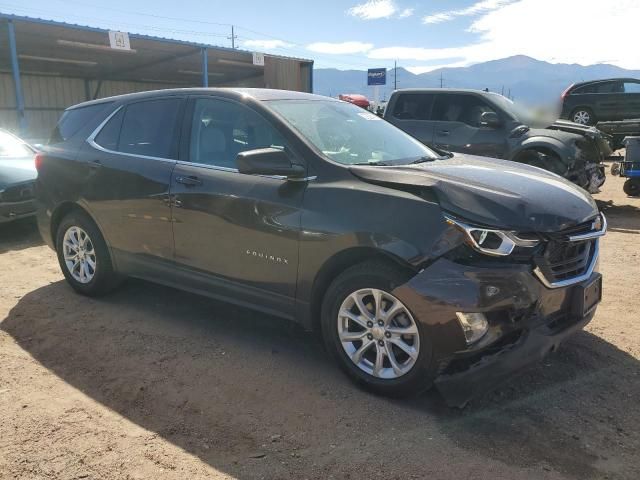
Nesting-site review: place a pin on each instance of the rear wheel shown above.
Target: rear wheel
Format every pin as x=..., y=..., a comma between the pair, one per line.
x=632, y=187
x=373, y=335
x=83, y=255
x=583, y=116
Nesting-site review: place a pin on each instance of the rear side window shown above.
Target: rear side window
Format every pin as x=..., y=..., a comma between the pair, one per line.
x=591, y=88
x=109, y=136
x=73, y=120
x=610, y=87
x=415, y=106
x=148, y=128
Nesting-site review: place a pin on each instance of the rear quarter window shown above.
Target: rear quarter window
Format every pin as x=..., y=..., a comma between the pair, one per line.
x=73, y=120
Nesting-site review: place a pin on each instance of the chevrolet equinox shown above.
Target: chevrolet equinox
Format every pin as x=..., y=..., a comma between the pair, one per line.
x=418, y=268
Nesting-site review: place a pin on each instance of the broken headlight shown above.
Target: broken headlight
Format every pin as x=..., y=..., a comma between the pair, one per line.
x=497, y=243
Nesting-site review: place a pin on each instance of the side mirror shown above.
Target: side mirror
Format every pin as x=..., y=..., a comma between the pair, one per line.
x=490, y=119
x=268, y=161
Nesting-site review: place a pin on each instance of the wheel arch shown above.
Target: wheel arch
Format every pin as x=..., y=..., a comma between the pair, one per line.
x=337, y=264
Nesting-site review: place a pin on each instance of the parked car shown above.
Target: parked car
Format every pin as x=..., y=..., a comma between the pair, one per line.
x=417, y=268
x=488, y=124
x=601, y=100
x=17, y=178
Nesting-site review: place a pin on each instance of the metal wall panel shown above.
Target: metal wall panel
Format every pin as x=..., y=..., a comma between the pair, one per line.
x=282, y=73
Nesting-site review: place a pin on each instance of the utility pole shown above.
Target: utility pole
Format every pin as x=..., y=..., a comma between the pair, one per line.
x=233, y=38
x=395, y=75
x=441, y=82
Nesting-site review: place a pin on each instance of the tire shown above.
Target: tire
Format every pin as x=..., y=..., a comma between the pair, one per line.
x=90, y=250
x=583, y=116
x=413, y=375
x=632, y=187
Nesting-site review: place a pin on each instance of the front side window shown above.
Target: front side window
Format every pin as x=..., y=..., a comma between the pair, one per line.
x=413, y=106
x=148, y=128
x=632, y=87
x=348, y=134
x=466, y=109
x=220, y=130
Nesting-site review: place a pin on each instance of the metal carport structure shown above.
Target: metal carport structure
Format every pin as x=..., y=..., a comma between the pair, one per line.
x=46, y=66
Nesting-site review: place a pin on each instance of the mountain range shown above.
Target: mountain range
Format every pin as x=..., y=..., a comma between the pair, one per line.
x=523, y=78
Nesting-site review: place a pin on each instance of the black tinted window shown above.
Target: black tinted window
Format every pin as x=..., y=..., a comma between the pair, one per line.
x=413, y=106
x=591, y=88
x=610, y=87
x=220, y=130
x=460, y=108
x=110, y=133
x=148, y=128
x=74, y=119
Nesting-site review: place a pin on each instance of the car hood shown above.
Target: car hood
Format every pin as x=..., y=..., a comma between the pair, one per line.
x=494, y=193
x=16, y=170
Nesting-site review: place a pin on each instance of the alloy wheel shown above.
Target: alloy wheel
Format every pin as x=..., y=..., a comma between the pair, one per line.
x=582, y=117
x=79, y=254
x=378, y=333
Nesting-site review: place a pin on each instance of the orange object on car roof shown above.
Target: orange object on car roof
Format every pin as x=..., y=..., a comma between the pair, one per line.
x=355, y=98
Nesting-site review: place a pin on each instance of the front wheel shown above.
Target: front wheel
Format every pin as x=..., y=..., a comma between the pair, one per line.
x=373, y=335
x=632, y=187
x=83, y=255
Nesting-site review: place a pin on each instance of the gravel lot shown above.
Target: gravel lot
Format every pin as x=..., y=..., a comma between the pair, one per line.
x=150, y=382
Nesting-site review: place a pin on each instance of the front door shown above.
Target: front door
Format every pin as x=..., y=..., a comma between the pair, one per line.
x=458, y=126
x=129, y=163
x=412, y=113
x=632, y=99
x=239, y=231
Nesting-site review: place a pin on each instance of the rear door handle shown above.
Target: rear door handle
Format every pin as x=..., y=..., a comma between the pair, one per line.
x=190, y=181
x=444, y=133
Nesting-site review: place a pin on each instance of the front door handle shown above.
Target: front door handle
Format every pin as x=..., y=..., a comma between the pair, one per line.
x=444, y=133
x=190, y=181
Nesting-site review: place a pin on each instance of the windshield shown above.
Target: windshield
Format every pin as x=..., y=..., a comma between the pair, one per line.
x=11, y=146
x=350, y=135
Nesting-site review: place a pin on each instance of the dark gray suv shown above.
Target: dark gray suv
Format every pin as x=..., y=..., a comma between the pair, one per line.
x=488, y=124
x=417, y=268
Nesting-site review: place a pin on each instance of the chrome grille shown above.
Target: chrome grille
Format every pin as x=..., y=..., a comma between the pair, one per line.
x=570, y=256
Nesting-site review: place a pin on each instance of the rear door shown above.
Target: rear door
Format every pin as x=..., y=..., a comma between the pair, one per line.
x=609, y=101
x=458, y=127
x=632, y=98
x=236, y=235
x=130, y=159
x=411, y=112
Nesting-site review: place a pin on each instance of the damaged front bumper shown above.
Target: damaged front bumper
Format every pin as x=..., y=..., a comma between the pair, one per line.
x=526, y=320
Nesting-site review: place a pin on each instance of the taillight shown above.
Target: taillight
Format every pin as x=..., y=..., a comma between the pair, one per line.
x=39, y=158
x=566, y=91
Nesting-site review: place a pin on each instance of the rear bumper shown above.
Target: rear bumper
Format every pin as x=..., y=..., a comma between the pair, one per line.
x=10, y=211
x=526, y=321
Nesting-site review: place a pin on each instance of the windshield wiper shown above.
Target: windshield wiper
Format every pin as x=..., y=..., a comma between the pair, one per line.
x=373, y=164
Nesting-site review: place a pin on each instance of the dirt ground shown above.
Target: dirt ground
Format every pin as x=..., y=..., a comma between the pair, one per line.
x=153, y=383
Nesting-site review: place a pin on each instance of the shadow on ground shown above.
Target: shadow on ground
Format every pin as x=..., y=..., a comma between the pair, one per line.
x=19, y=235
x=220, y=381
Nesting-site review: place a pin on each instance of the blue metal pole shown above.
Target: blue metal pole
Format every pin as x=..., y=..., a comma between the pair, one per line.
x=15, y=70
x=205, y=68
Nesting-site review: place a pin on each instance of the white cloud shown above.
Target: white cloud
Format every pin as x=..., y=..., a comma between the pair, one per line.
x=407, y=12
x=538, y=28
x=475, y=9
x=373, y=9
x=266, y=44
x=340, y=48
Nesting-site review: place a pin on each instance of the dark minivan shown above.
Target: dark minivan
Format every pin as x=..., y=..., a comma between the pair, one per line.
x=488, y=124
x=601, y=100
x=417, y=268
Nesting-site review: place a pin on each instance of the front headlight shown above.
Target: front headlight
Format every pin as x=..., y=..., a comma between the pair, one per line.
x=498, y=243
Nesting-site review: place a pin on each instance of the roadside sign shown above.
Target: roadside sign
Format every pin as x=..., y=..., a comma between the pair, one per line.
x=377, y=76
x=258, y=58
x=119, y=40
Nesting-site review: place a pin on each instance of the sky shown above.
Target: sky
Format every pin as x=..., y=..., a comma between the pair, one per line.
x=359, y=34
